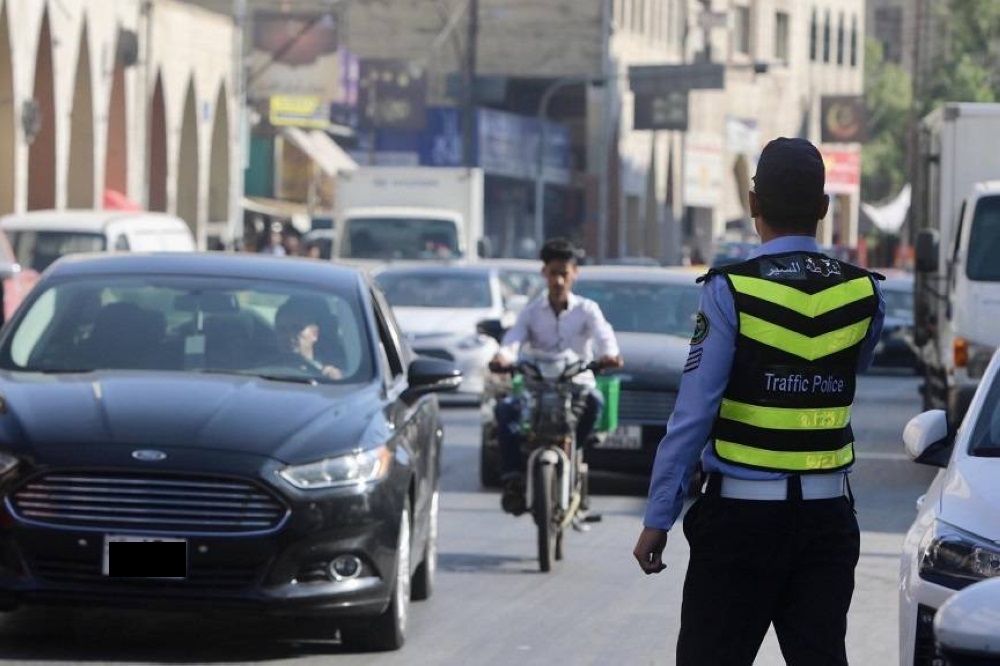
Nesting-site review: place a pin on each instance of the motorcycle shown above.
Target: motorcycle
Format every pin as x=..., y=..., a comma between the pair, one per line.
x=556, y=483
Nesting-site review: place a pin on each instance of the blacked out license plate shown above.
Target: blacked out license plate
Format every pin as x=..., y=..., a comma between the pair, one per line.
x=128, y=556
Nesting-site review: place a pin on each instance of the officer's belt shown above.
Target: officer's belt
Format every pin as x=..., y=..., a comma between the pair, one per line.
x=813, y=487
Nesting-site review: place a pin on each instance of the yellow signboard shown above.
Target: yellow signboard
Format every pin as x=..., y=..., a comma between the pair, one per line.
x=298, y=111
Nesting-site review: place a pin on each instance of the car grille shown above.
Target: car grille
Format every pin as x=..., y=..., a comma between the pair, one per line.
x=160, y=503
x=231, y=576
x=435, y=353
x=645, y=406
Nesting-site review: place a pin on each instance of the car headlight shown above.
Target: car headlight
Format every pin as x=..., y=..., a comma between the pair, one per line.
x=472, y=342
x=355, y=468
x=7, y=462
x=955, y=558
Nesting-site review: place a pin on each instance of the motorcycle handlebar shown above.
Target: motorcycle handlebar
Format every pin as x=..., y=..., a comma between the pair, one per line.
x=594, y=366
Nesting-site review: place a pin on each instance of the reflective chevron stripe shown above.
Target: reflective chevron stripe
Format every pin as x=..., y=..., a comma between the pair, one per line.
x=779, y=337
x=794, y=461
x=809, y=305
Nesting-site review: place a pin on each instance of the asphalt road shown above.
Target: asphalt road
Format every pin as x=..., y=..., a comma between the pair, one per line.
x=493, y=606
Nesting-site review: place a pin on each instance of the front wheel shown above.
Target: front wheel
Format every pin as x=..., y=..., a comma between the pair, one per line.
x=543, y=509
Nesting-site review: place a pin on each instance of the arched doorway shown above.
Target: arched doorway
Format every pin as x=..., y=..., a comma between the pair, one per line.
x=116, y=155
x=80, y=174
x=8, y=128
x=157, y=177
x=42, y=154
x=218, y=174
x=187, y=163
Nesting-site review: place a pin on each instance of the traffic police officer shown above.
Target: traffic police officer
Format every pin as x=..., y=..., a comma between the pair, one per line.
x=768, y=384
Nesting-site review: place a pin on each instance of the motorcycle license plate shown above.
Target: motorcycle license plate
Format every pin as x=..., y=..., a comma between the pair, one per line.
x=130, y=556
x=627, y=437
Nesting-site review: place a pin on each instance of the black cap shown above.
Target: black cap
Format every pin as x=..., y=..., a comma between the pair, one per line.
x=790, y=175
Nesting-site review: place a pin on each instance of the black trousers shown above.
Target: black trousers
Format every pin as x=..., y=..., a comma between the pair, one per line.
x=756, y=563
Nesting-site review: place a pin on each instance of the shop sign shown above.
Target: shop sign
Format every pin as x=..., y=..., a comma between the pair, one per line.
x=843, y=170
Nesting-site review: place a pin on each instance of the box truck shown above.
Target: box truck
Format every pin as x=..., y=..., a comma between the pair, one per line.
x=386, y=214
x=956, y=213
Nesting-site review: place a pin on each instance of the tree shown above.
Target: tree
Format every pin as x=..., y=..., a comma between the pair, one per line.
x=888, y=96
x=964, y=58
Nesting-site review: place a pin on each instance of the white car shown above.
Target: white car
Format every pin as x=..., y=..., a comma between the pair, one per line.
x=439, y=308
x=955, y=539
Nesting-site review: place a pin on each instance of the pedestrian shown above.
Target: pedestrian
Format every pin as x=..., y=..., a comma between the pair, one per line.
x=765, y=402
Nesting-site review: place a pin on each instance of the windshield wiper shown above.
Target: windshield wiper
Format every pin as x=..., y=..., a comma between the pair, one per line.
x=270, y=377
x=61, y=371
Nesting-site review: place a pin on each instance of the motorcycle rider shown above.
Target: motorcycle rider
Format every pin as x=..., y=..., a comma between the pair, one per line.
x=553, y=322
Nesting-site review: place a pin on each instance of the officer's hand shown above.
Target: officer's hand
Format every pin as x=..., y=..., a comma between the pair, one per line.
x=649, y=550
x=611, y=362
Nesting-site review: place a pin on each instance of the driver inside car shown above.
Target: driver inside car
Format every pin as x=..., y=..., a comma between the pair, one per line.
x=553, y=322
x=296, y=324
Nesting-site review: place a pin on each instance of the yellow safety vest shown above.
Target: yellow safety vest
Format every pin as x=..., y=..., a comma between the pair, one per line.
x=801, y=320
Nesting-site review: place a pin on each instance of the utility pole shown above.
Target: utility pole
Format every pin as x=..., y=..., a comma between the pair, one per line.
x=469, y=84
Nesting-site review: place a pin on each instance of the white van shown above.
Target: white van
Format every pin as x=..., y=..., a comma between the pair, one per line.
x=40, y=237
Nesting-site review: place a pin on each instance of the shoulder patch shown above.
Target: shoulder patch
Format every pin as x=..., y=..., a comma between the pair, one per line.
x=700, y=329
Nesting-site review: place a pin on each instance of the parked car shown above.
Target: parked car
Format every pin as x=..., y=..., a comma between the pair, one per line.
x=439, y=307
x=895, y=348
x=652, y=311
x=40, y=237
x=954, y=540
x=160, y=449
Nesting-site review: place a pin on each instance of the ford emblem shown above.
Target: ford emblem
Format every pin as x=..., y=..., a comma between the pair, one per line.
x=149, y=455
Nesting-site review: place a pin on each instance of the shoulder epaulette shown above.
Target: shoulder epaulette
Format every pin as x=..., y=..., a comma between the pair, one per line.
x=876, y=275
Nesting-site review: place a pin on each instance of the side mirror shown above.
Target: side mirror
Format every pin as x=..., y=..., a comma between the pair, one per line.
x=927, y=438
x=428, y=375
x=491, y=327
x=967, y=624
x=926, y=249
x=8, y=270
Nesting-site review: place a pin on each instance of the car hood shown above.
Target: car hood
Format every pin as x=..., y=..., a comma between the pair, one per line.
x=653, y=359
x=288, y=422
x=436, y=321
x=970, y=496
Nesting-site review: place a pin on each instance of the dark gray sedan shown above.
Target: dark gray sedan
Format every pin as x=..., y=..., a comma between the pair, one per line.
x=218, y=431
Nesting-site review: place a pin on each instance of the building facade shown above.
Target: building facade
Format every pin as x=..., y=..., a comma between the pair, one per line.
x=111, y=101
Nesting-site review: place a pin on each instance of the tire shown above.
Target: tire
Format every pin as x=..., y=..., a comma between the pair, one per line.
x=543, y=506
x=489, y=466
x=422, y=585
x=387, y=631
x=559, y=545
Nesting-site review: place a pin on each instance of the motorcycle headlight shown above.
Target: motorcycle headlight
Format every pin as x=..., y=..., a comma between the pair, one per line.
x=356, y=468
x=954, y=558
x=7, y=462
x=472, y=342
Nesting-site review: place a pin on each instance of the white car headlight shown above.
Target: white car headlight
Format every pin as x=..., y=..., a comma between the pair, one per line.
x=955, y=558
x=355, y=468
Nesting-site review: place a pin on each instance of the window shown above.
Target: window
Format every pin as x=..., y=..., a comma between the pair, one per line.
x=840, y=40
x=781, y=36
x=984, y=241
x=826, y=37
x=854, y=41
x=741, y=31
x=813, y=37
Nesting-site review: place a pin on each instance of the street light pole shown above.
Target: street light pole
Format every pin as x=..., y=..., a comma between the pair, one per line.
x=542, y=116
x=469, y=87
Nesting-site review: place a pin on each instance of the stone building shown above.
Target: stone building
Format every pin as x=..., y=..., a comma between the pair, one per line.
x=105, y=99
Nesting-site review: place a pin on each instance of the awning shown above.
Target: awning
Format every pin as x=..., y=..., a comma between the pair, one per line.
x=321, y=149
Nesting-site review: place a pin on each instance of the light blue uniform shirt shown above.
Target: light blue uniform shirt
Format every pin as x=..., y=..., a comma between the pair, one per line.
x=702, y=385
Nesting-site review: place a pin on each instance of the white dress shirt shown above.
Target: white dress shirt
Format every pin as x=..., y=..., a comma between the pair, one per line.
x=580, y=327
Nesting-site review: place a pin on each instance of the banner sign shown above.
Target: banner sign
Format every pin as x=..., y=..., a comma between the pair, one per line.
x=842, y=119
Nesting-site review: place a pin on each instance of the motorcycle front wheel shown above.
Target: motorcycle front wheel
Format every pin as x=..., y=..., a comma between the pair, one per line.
x=543, y=509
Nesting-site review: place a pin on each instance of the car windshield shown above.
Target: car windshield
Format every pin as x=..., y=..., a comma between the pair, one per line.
x=986, y=435
x=192, y=324
x=898, y=301
x=442, y=290
x=984, y=241
x=401, y=238
x=38, y=249
x=644, y=307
